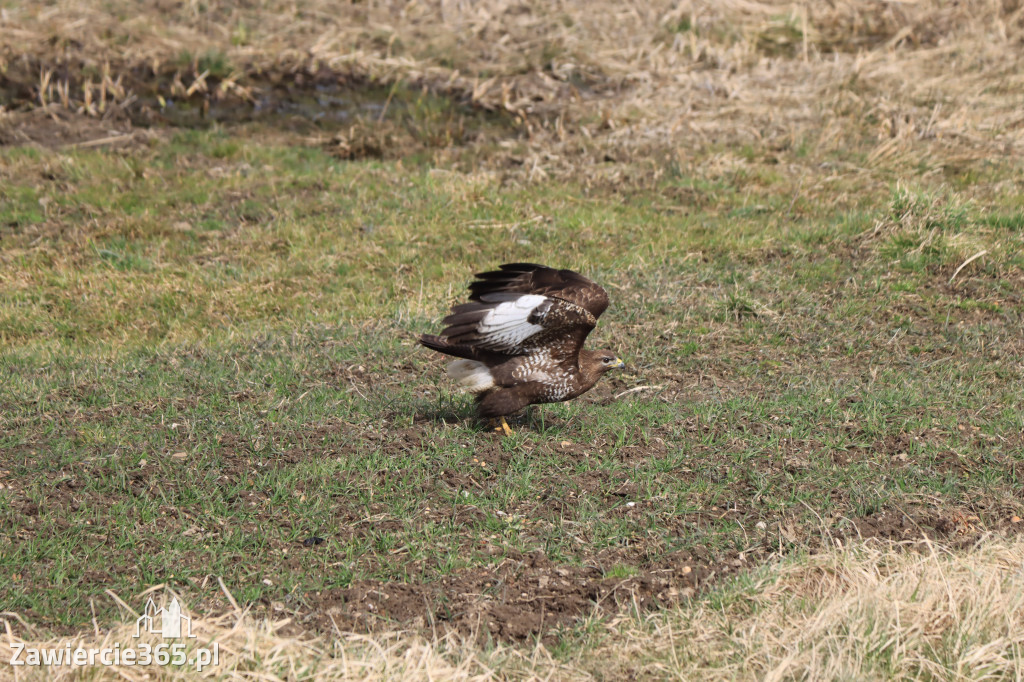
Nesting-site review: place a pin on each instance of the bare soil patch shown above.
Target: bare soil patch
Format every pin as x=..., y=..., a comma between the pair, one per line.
x=521, y=597
x=56, y=127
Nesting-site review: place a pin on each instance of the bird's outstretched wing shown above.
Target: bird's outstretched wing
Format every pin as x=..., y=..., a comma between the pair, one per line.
x=530, y=278
x=523, y=308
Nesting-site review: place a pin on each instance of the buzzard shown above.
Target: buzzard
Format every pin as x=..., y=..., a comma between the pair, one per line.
x=520, y=338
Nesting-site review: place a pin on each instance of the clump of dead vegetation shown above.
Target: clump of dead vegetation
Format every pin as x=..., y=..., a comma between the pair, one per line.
x=858, y=86
x=865, y=612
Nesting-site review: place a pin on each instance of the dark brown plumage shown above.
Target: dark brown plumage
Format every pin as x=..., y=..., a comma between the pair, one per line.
x=520, y=338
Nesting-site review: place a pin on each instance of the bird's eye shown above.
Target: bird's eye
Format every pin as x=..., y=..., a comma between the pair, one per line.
x=606, y=360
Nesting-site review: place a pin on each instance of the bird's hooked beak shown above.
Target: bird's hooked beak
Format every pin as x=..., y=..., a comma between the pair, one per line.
x=618, y=364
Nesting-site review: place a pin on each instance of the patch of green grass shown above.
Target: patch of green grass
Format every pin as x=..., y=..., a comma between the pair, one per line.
x=621, y=571
x=1013, y=222
x=208, y=359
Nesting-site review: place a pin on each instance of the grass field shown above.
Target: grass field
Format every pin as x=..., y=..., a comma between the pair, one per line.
x=222, y=228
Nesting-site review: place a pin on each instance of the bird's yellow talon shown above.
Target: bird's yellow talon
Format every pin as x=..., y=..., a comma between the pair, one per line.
x=501, y=426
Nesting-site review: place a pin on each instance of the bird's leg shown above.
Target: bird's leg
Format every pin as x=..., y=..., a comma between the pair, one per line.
x=501, y=426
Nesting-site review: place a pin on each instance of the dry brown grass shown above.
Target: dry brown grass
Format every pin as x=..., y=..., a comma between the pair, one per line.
x=858, y=86
x=866, y=612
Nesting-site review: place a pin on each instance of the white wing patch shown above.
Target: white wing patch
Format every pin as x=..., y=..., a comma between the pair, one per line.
x=471, y=375
x=506, y=324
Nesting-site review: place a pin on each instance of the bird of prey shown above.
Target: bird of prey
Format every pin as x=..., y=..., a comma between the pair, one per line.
x=520, y=338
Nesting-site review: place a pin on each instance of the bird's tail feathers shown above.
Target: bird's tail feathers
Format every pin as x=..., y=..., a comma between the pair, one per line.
x=471, y=375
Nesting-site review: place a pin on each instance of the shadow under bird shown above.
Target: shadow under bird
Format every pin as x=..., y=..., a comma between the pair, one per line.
x=520, y=338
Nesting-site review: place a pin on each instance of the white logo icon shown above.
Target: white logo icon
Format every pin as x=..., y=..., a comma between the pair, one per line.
x=169, y=622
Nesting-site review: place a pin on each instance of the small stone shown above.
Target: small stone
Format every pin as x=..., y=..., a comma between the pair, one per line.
x=1015, y=519
x=687, y=569
x=631, y=504
x=268, y=582
x=761, y=525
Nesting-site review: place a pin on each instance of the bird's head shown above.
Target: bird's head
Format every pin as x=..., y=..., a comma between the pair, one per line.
x=604, y=360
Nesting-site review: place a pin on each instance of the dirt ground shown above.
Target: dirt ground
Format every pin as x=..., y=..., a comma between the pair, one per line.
x=56, y=128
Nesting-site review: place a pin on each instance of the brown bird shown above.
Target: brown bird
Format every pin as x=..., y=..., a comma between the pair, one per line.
x=520, y=339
